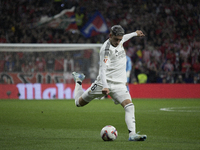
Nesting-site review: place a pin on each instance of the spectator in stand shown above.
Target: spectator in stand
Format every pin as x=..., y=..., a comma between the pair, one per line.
x=198, y=76
x=2, y=39
x=50, y=62
x=138, y=52
x=40, y=56
x=180, y=79
x=185, y=52
x=195, y=79
x=197, y=42
x=2, y=62
x=177, y=65
x=196, y=66
x=146, y=55
x=78, y=57
x=170, y=55
x=169, y=77
x=79, y=16
x=138, y=68
x=32, y=64
x=40, y=64
x=7, y=55
x=93, y=71
x=164, y=80
x=68, y=63
x=195, y=55
x=130, y=50
x=156, y=53
x=186, y=66
x=168, y=67
x=10, y=64
x=25, y=67
x=134, y=80
x=17, y=63
x=68, y=68
x=77, y=67
x=142, y=78
x=87, y=56
x=17, y=67
x=59, y=63
x=152, y=67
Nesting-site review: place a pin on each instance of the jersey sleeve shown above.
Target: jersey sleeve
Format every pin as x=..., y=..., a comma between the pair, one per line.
x=104, y=62
x=126, y=37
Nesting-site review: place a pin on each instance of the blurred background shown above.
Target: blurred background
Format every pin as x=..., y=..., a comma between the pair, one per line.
x=169, y=53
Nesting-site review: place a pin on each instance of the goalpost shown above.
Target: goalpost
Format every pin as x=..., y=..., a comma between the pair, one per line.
x=78, y=52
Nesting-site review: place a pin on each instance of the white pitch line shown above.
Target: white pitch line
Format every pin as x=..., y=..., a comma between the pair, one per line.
x=181, y=109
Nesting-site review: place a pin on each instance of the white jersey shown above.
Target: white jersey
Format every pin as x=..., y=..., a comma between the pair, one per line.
x=113, y=62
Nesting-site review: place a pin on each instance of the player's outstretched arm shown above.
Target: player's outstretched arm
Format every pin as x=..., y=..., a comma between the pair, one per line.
x=126, y=37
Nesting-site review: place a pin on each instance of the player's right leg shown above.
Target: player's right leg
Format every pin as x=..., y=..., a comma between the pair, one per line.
x=83, y=98
x=78, y=78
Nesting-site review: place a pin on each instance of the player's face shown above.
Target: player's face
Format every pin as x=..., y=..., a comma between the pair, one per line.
x=114, y=40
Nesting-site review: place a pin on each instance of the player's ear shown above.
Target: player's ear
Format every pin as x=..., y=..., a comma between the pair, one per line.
x=110, y=35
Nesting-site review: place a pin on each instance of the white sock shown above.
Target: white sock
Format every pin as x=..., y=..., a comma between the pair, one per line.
x=130, y=118
x=77, y=93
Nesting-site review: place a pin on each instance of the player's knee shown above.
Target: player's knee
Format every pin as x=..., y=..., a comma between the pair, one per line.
x=129, y=106
x=81, y=102
x=126, y=102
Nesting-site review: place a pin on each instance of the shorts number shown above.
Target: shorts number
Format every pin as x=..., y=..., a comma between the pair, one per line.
x=93, y=87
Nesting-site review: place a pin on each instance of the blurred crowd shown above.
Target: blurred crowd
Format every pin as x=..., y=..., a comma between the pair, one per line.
x=169, y=53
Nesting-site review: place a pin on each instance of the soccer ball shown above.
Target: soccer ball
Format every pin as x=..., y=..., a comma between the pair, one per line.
x=109, y=133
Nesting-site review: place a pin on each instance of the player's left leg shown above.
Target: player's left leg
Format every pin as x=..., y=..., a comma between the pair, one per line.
x=130, y=121
x=129, y=116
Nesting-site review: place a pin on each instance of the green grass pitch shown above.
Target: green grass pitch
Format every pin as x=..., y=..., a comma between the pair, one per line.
x=59, y=125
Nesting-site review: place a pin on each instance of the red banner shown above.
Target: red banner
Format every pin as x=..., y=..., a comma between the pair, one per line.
x=38, y=91
x=43, y=77
x=66, y=91
x=165, y=91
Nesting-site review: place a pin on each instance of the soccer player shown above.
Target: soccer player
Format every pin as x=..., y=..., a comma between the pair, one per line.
x=112, y=78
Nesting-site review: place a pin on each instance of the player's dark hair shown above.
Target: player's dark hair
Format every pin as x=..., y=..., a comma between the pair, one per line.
x=117, y=30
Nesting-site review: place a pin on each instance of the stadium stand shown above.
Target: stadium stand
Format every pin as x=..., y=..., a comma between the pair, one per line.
x=172, y=30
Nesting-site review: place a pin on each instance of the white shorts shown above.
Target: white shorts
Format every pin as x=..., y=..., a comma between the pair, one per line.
x=118, y=92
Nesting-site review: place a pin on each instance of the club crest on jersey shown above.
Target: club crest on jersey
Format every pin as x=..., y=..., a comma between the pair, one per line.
x=105, y=60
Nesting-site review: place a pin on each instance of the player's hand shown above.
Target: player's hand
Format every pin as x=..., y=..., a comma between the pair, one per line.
x=139, y=33
x=105, y=91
